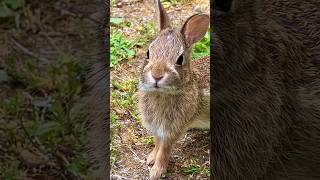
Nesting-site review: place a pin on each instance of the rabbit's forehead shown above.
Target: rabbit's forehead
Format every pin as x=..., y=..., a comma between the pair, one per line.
x=168, y=44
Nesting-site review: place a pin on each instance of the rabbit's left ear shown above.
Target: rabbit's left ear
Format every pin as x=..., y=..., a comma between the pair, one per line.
x=195, y=28
x=162, y=18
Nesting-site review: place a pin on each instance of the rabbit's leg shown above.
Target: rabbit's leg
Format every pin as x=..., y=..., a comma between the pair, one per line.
x=162, y=158
x=152, y=156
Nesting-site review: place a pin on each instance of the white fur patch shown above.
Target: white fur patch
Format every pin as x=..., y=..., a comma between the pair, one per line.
x=181, y=50
x=155, y=130
x=160, y=133
x=150, y=78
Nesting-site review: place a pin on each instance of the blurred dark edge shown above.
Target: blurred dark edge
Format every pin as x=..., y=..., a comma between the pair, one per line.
x=223, y=5
x=98, y=99
x=212, y=70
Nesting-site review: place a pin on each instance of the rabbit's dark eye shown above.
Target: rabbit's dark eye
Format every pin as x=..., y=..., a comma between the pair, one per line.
x=148, y=55
x=180, y=60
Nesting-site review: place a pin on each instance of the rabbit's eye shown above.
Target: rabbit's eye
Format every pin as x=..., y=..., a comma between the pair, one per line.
x=180, y=60
x=148, y=55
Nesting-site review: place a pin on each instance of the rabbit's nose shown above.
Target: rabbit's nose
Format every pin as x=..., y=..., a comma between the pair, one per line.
x=157, y=78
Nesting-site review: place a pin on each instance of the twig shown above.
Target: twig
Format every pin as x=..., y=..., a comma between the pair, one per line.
x=40, y=150
x=43, y=152
x=140, y=160
x=53, y=44
x=28, y=52
x=129, y=147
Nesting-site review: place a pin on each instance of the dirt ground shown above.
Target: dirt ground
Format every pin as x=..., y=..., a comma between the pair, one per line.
x=190, y=157
x=48, y=41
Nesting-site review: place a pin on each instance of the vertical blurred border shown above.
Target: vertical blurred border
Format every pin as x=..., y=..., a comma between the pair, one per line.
x=212, y=74
x=98, y=100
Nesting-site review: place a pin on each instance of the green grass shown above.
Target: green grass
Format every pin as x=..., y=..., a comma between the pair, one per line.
x=194, y=168
x=123, y=105
x=167, y=3
x=125, y=95
x=202, y=48
x=123, y=99
x=149, y=140
x=9, y=8
x=47, y=100
x=147, y=31
x=11, y=106
x=121, y=47
x=79, y=166
x=11, y=171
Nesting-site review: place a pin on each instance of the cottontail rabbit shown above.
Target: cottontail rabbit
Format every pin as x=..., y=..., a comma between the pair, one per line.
x=173, y=90
x=266, y=90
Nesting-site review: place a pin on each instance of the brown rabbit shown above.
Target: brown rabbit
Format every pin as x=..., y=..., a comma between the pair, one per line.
x=173, y=91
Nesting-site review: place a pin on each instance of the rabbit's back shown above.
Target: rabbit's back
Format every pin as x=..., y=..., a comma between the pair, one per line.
x=201, y=70
x=266, y=91
x=300, y=18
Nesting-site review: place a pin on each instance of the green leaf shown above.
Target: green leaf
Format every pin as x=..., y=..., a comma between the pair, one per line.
x=3, y=76
x=116, y=21
x=5, y=11
x=46, y=127
x=191, y=169
x=15, y=4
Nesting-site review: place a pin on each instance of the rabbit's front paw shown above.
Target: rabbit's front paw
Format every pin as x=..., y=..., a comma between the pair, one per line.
x=152, y=157
x=156, y=172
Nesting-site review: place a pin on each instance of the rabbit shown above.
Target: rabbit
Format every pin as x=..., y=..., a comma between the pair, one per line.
x=173, y=93
x=266, y=90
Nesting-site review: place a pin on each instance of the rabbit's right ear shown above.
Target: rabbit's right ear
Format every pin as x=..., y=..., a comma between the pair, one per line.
x=163, y=20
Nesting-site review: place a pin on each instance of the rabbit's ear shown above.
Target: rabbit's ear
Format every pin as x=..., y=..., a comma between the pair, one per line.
x=195, y=28
x=163, y=20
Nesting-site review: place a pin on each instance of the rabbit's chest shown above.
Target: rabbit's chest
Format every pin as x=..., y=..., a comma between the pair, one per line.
x=165, y=119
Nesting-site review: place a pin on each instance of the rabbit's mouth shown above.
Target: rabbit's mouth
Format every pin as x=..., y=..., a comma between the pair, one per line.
x=157, y=88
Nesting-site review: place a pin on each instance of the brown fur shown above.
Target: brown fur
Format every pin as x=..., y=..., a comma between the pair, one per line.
x=167, y=113
x=202, y=72
x=266, y=91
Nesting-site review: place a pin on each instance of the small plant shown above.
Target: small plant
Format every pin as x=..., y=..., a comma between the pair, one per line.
x=79, y=165
x=113, y=156
x=48, y=105
x=194, y=168
x=12, y=105
x=168, y=3
x=202, y=48
x=10, y=171
x=123, y=95
x=114, y=118
x=149, y=140
x=147, y=31
x=9, y=8
x=206, y=171
x=121, y=48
